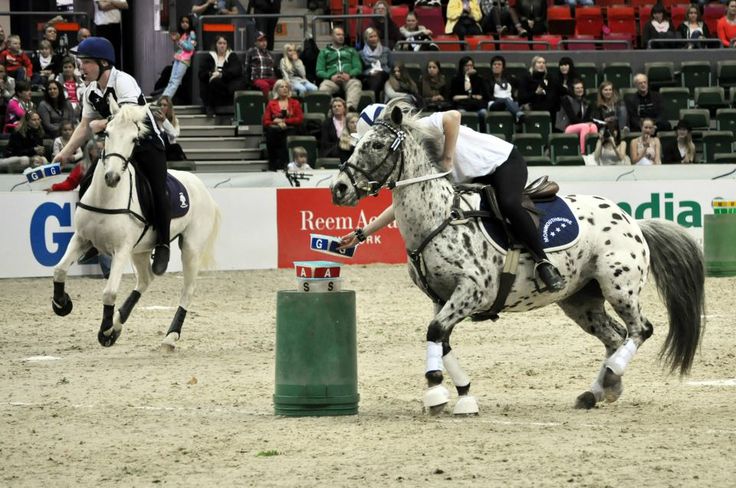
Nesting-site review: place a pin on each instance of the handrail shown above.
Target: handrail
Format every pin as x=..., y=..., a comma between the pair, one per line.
x=572, y=42
x=438, y=42
x=51, y=13
x=514, y=41
x=714, y=42
x=350, y=16
x=227, y=19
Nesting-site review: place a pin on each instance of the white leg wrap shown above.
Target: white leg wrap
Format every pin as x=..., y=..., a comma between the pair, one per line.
x=434, y=356
x=459, y=378
x=621, y=358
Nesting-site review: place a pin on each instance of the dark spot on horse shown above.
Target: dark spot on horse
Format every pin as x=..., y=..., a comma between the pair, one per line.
x=598, y=198
x=618, y=287
x=633, y=256
x=617, y=273
x=581, y=217
x=466, y=241
x=625, y=268
x=616, y=216
x=638, y=239
x=606, y=229
x=591, y=221
x=487, y=282
x=608, y=242
x=603, y=205
x=631, y=292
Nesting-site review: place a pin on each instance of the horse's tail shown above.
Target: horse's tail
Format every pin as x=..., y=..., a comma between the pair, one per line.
x=207, y=260
x=678, y=268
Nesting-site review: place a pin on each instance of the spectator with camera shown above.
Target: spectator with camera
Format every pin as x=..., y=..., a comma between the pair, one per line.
x=283, y=116
x=610, y=150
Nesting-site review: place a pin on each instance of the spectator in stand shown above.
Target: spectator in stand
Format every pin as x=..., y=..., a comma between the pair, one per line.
x=394, y=34
x=499, y=17
x=463, y=17
x=90, y=155
x=6, y=92
x=293, y=70
x=18, y=106
x=537, y=91
x=259, y=65
x=25, y=147
x=532, y=16
x=185, y=39
x=301, y=161
x=72, y=84
x=726, y=26
x=693, y=27
x=17, y=63
x=609, y=108
x=644, y=104
x=283, y=116
x=55, y=109
x=646, y=149
x=169, y=126
x=332, y=128
x=575, y=114
x=215, y=7
x=417, y=36
x=220, y=74
x=568, y=73
x=66, y=129
x=659, y=26
x=502, y=90
x=582, y=3
x=346, y=144
x=682, y=150
x=51, y=35
x=400, y=85
x=377, y=61
x=468, y=90
x=46, y=64
x=434, y=88
x=610, y=150
x=3, y=41
x=266, y=25
x=338, y=66
x=107, y=20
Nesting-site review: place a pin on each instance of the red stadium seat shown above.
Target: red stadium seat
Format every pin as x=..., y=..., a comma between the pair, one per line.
x=679, y=12
x=559, y=21
x=581, y=46
x=474, y=43
x=553, y=41
x=619, y=37
x=431, y=18
x=336, y=6
x=641, y=3
x=371, y=3
x=645, y=12
x=514, y=45
x=589, y=21
x=448, y=42
x=398, y=14
x=621, y=20
x=669, y=4
x=711, y=13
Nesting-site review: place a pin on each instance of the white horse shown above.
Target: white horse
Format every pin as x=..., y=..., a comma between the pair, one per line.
x=110, y=218
x=454, y=263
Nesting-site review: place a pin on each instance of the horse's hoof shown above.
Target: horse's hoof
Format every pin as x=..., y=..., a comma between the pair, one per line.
x=65, y=309
x=108, y=340
x=436, y=396
x=437, y=409
x=613, y=386
x=466, y=405
x=585, y=401
x=169, y=342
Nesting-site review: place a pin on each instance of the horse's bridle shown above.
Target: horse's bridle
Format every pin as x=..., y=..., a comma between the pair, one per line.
x=371, y=186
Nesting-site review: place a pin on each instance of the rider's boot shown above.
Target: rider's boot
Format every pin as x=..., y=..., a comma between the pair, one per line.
x=549, y=275
x=160, y=259
x=91, y=253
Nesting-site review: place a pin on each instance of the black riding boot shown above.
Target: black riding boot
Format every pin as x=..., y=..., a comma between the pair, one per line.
x=549, y=275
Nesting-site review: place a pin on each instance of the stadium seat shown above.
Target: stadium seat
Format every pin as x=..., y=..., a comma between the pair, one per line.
x=448, y=42
x=619, y=74
x=591, y=95
x=538, y=122
x=621, y=41
x=711, y=13
x=589, y=21
x=431, y=18
x=313, y=120
x=483, y=69
x=249, y=107
x=367, y=97
x=724, y=158
x=716, y=141
x=559, y=21
x=580, y=42
x=626, y=91
x=694, y=74
x=645, y=13
x=570, y=161
x=588, y=72
x=517, y=70
x=726, y=119
x=336, y=6
x=415, y=71
x=678, y=14
x=398, y=14
x=590, y=141
x=621, y=20
x=552, y=40
x=732, y=95
x=470, y=119
x=480, y=43
x=307, y=142
x=327, y=163
x=563, y=145
x=674, y=99
x=710, y=97
x=502, y=124
x=448, y=69
x=317, y=102
x=667, y=137
x=660, y=73
x=529, y=145
x=514, y=43
x=726, y=73
x=698, y=118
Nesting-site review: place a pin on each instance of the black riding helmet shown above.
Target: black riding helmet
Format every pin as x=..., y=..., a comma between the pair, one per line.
x=97, y=48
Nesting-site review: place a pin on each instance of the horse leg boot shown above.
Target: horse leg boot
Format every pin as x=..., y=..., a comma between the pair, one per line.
x=190, y=269
x=466, y=404
x=143, y=280
x=61, y=301
x=109, y=331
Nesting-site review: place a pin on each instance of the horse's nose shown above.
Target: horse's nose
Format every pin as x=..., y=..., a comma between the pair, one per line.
x=338, y=192
x=112, y=179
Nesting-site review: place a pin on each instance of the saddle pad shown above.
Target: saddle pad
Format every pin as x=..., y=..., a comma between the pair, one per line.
x=558, y=226
x=178, y=196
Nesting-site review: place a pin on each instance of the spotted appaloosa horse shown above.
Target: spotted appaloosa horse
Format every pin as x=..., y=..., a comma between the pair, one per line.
x=609, y=263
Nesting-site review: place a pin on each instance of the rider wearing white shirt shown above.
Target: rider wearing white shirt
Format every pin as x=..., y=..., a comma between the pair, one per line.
x=97, y=57
x=480, y=158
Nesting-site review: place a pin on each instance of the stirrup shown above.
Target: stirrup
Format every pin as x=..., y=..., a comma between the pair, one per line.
x=89, y=254
x=160, y=259
x=549, y=275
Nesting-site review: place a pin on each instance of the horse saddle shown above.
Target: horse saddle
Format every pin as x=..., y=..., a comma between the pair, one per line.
x=557, y=225
x=177, y=193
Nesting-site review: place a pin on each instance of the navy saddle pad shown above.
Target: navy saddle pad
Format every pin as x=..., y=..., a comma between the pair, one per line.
x=558, y=227
x=178, y=196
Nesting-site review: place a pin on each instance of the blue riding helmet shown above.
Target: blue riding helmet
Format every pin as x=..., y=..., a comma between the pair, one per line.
x=95, y=48
x=367, y=118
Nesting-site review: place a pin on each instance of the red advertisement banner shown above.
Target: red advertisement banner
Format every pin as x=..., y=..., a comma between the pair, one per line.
x=304, y=211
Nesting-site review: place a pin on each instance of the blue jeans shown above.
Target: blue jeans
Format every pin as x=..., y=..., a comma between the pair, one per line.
x=178, y=70
x=505, y=104
x=572, y=3
x=302, y=87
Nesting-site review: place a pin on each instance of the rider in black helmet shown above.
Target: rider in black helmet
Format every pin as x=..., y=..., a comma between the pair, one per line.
x=97, y=58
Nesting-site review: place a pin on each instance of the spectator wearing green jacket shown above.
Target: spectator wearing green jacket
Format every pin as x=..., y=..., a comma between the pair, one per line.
x=338, y=66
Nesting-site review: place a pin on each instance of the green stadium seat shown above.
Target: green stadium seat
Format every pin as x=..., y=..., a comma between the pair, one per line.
x=726, y=73
x=666, y=137
x=726, y=119
x=538, y=161
x=307, y=142
x=695, y=74
x=590, y=142
x=716, y=141
x=710, y=97
x=674, y=99
x=327, y=163
x=183, y=165
x=724, y=158
x=415, y=71
x=660, y=73
x=470, y=119
x=317, y=102
x=619, y=74
x=500, y=123
x=249, y=107
x=588, y=72
x=570, y=161
x=698, y=118
x=367, y=97
x=484, y=69
x=529, y=145
x=591, y=94
x=517, y=70
x=538, y=122
x=563, y=145
x=626, y=91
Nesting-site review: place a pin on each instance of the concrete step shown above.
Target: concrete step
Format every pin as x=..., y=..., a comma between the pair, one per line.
x=211, y=143
x=188, y=110
x=215, y=154
x=231, y=166
x=207, y=131
x=192, y=119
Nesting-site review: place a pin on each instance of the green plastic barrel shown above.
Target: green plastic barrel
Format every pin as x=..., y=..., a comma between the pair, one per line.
x=316, y=354
x=719, y=242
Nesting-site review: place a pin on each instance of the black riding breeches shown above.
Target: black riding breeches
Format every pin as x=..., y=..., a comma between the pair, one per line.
x=151, y=158
x=509, y=181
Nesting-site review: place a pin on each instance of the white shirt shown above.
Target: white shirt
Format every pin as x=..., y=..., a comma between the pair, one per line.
x=111, y=16
x=476, y=154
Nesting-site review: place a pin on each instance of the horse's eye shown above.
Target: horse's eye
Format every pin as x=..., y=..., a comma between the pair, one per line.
x=378, y=146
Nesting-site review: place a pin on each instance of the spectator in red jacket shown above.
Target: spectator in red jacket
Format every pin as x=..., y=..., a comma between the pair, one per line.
x=17, y=63
x=726, y=26
x=91, y=153
x=282, y=117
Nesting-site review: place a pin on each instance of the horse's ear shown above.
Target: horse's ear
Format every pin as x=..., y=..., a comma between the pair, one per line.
x=114, y=107
x=397, y=115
